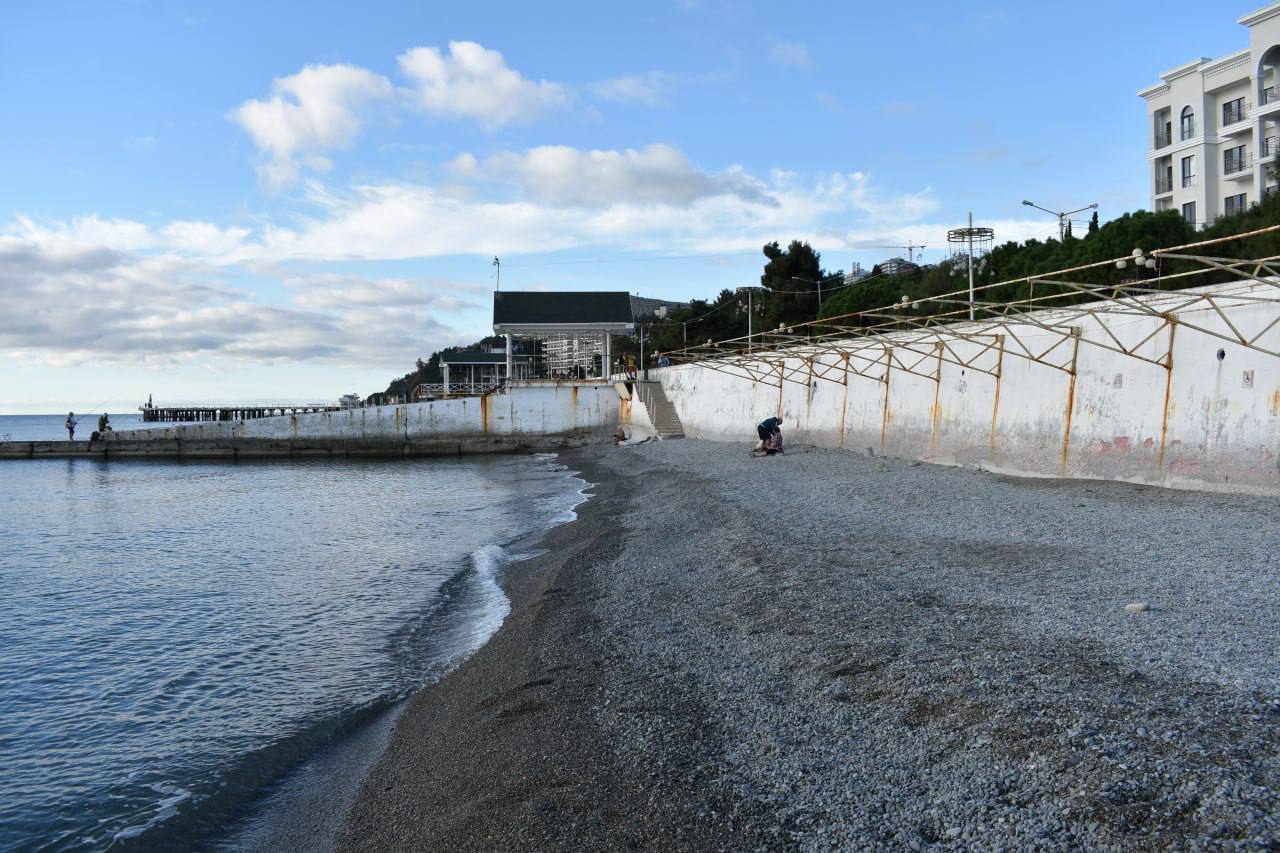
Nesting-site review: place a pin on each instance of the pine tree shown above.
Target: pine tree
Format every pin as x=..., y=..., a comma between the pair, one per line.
x=1093, y=223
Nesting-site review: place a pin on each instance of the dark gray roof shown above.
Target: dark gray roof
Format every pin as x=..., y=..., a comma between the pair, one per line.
x=528, y=308
x=477, y=357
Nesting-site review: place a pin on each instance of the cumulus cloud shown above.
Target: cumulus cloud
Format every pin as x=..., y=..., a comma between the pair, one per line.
x=70, y=302
x=331, y=291
x=549, y=208
x=472, y=81
x=566, y=177
x=790, y=54
x=315, y=110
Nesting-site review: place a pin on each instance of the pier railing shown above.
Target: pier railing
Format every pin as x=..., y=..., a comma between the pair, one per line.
x=229, y=411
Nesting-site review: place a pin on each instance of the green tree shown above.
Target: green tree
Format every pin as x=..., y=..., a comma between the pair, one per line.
x=791, y=276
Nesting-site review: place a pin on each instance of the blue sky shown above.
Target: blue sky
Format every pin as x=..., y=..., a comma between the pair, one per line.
x=225, y=201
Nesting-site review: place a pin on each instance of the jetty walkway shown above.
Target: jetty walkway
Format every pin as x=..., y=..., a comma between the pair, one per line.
x=230, y=412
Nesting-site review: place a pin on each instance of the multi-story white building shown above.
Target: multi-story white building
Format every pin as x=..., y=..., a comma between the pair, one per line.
x=1215, y=127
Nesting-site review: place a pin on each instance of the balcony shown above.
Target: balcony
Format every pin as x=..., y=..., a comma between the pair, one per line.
x=1234, y=168
x=1164, y=185
x=1163, y=139
x=1270, y=96
x=1234, y=118
x=1270, y=147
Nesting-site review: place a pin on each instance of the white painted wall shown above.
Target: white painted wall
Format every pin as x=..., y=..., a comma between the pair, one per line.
x=1194, y=425
x=534, y=409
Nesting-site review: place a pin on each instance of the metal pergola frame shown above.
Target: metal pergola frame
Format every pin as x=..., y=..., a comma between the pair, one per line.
x=871, y=343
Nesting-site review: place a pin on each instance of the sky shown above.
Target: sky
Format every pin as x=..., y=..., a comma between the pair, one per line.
x=286, y=202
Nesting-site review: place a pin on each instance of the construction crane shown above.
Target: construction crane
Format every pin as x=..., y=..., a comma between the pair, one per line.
x=912, y=249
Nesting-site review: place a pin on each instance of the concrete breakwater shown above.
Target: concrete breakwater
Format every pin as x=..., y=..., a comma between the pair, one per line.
x=1177, y=389
x=530, y=416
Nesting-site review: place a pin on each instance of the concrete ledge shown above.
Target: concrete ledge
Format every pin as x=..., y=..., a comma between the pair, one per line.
x=260, y=448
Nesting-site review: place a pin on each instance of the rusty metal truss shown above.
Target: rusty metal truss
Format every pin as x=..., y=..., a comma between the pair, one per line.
x=1046, y=328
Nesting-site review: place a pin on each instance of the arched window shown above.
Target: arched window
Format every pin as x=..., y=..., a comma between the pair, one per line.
x=1188, y=123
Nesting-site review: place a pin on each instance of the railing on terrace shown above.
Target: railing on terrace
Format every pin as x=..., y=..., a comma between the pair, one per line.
x=1270, y=95
x=1236, y=164
x=437, y=390
x=1164, y=184
x=1235, y=114
x=1164, y=139
x=1270, y=146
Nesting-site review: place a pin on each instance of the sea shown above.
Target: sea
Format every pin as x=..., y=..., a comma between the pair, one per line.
x=195, y=655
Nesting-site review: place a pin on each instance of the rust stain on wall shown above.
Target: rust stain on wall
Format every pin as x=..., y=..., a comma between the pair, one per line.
x=484, y=414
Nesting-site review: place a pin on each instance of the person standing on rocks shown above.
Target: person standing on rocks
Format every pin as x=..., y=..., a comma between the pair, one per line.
x=71, y=426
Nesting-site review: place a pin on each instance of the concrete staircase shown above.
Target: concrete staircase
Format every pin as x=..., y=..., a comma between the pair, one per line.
x=661, y=412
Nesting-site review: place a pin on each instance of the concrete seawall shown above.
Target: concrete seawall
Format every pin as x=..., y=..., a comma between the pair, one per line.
x=1150, y=396
x=526, y=417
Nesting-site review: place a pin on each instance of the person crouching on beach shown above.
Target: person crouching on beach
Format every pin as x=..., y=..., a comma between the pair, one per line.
x=766, y=428
x=71, y=426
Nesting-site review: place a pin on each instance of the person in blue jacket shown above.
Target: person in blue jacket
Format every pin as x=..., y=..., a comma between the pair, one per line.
x=767, y=428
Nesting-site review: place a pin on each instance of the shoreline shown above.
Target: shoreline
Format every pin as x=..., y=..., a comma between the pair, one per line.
x=307, y=807
x=471, y=763
x=858, y=668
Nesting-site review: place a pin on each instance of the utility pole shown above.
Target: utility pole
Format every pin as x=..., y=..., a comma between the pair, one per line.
x=971, y=266
x=1062, y=216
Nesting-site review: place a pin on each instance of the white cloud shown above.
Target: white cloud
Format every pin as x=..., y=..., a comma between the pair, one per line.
x=790, y=54
x=70, y=302
x=650, y=88
x=568, y=177
x=331, y=291
x=316, y=109
x=203, y=239
x=475, y=82
x=733, y=210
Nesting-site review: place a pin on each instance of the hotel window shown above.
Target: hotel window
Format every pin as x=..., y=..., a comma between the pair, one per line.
x=1235, y=204
x=1188, y=123
x=1233, y=112
x=1189, y=171
x=1233, y=160
x=1189, y=212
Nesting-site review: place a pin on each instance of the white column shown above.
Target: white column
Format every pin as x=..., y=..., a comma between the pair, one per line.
x=510, y=362
x=444, y=371
x=606, y=361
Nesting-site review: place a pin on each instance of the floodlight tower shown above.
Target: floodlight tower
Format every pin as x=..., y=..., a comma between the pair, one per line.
x=978, y=240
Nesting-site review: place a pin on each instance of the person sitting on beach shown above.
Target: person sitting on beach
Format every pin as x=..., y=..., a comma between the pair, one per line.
x=766, y=428
x=71, y=426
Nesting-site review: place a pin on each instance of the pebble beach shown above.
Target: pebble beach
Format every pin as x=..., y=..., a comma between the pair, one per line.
x=834, y=651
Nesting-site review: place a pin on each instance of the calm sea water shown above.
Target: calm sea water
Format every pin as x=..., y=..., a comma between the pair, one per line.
x=176, y=638
x=53, y=427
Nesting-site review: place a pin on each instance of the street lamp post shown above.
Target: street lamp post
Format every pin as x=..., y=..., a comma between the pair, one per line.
x=1062, y=216
x=818, y=283
x=749, y=313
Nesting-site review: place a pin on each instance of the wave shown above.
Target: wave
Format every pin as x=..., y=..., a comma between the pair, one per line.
x=226, y=808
